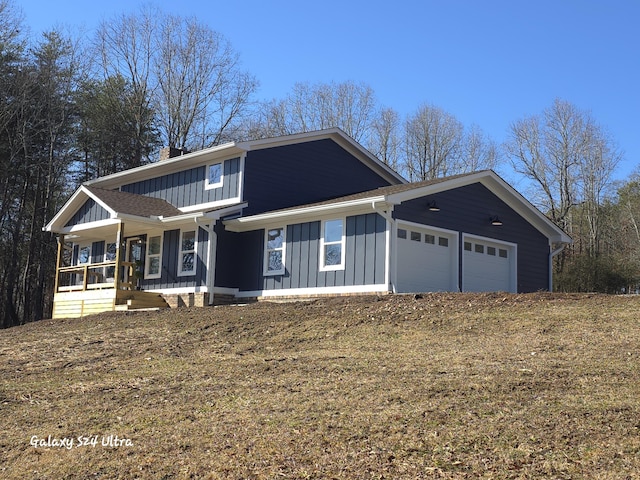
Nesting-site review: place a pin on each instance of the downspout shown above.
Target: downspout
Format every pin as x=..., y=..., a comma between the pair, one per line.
x=552, y=255
x=390, y=250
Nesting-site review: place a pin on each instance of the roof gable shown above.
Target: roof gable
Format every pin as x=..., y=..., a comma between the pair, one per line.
x=236, y=149
x=395, y=194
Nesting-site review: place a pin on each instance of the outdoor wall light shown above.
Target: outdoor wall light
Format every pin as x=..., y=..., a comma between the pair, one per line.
x=495, y=221
x=433, y=206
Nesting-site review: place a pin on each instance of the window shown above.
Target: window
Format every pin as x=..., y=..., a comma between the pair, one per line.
x=110, y=256
x=467, y=246
x=479, y=248
x=332, y=245
x=503, y=253
x=153, y=263
x=187, y=258
x=491, y=251
x=274, y=251
x=84, y=254
x=431, y=239
x=402, y=233
x=443, y=241
x=416, y=237
x=214, y=175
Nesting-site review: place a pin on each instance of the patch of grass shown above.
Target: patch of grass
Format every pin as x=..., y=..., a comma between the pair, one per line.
x=444, y=386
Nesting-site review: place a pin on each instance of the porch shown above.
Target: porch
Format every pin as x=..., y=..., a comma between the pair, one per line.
x=83, y=287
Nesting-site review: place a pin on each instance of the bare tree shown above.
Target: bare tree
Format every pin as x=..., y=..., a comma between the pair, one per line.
x=184, y=71
x=566, y=155
x=348, y=105
x=202, y=88
x=433, y=141
x=125, y=47
x=384, y=141
x=479, y=152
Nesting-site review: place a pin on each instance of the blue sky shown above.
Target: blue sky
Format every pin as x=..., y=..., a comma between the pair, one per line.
x=487, y=62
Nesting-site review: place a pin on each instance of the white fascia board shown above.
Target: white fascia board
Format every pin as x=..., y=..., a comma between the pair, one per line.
x=300, y=215
x=502, y=190
x=210, y=205
x=223, y=152
x=83, y=227
x=79, y=197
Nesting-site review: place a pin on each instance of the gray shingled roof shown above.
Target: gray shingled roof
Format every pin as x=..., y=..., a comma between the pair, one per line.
x=133, y=204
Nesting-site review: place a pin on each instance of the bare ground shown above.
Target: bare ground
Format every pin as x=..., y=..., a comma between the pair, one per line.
x=442, y=386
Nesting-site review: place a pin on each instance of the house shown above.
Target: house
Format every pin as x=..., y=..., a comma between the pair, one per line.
x=299, y=215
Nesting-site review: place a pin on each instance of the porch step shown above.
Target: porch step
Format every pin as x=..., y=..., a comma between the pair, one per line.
x=137, y=300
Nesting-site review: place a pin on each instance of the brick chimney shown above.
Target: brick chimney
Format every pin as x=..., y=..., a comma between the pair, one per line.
x=170, y=152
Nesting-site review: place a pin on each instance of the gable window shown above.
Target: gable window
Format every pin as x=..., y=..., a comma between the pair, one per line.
x=153, y=262
x=274, y=251
x=332, y=245
x=187, y=258
x=214, y=175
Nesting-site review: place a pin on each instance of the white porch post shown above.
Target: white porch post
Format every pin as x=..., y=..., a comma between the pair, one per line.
x=211, y=260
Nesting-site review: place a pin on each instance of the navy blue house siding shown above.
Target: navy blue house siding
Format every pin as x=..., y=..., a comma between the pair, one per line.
x=170, y=254
x=287, y=176
x=364, y=256
x=89, y=212
x=468, y=209
x=187, y=187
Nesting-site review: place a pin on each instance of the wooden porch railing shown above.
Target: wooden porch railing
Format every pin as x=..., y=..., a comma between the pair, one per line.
x=92, y=276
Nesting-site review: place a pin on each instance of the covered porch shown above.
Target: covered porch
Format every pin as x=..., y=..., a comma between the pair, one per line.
x=100, y=272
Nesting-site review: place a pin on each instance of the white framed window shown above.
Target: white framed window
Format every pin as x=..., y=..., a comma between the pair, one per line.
x=153, y=260
x=214, y=175
x=187, y=254
x=84, y=254
x=332, y=251
x=110, y=256
x=274, y=245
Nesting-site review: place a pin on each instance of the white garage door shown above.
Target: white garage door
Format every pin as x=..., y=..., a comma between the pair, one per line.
x=426, y=260
x=488, y=266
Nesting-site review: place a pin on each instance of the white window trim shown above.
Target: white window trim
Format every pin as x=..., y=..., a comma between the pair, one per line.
x=266, y=271
x=195, y=254
x=82, y=246
x=209, y=186
x=148, y=256
x=343, y=244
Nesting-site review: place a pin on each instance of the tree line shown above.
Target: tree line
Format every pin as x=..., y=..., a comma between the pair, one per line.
x=74, y=108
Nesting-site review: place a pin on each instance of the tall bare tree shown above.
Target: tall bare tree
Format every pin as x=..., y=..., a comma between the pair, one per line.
x=385, y=141
x=433, y=141
x=181, y=69
x=567, y=156
x=348, y=105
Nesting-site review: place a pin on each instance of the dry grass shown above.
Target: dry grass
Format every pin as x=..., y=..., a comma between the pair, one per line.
x=446, y=386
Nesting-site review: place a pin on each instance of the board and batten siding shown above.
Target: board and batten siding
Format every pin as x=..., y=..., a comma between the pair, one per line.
x=291, y=175
x=170, y=259
x=468, y=210
x=187, y=187
x=365, y=247
x=89, y=212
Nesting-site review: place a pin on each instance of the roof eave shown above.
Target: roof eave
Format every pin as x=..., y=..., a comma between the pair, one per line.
x=255, y=222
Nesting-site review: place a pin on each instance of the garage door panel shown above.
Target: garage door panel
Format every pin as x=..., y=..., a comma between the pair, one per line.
x=487, y=266
x=425, y=260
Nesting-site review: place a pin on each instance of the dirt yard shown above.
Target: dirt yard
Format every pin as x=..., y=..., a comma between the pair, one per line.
x=443, y=386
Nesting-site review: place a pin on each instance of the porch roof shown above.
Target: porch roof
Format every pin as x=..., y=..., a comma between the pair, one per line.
x=142, y=211
x=134, y=204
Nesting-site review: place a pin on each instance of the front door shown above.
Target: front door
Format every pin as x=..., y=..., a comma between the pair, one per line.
x=134, y=259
